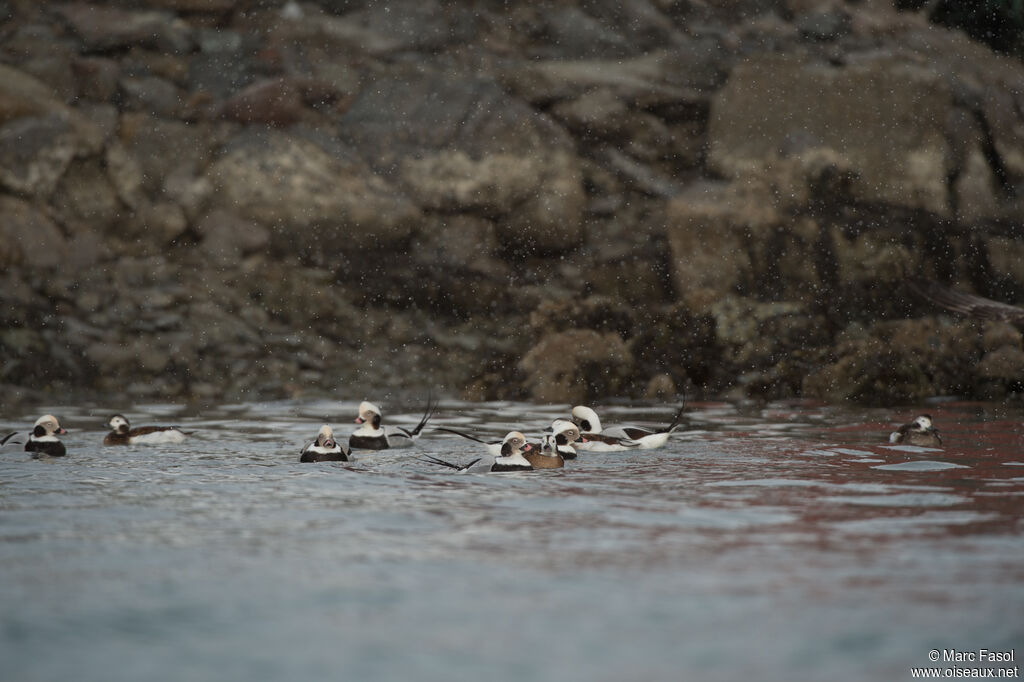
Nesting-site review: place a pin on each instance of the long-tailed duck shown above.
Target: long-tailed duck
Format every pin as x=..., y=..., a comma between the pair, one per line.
x=324, y=449
x=43, y=439
x=565, y=432
x=918, y=432
x=564, y=435
x=510, y=458
x=617, y=438
x=123, y=434
x=547, y=456
x=372, y=436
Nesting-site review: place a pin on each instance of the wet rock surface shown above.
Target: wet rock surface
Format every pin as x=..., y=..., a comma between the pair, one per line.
x=561, y=202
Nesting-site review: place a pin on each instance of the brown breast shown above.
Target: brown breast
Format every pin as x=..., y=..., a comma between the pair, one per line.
x=542, y=461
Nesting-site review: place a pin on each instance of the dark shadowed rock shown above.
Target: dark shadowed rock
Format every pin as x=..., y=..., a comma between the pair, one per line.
x=1006, y=363
x=576, y=365
x=152, y=95
x=1003, y=359
x=85, y=200
x=709, y=234
x=641, y=22
x=284, y=101
x=156, y=146
x=29, y=240
x=35, y=152
x=211, y=6
x=825, y=23
x=102, y=27
x=660, y=387
x=873, y=258
x=22, y=95
x=675, y=342
x=226, y=236
x=39, y=135
x=189, y=191
x=162, y=221
x=599, y=313
x=896, y=362
x=459, y=242
x=561, y=30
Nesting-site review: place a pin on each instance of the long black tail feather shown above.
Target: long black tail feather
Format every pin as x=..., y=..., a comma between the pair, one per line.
x=427, y=414
x=440, y=462
x=8, y=437
x=677, y=420
x=461, y=433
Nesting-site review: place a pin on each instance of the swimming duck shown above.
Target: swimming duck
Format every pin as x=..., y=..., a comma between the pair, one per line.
x=324, y=449
x=123, y=434
x=618, y=438
x=568, y=431
x=510, y=458
x=372, y=436
x=918, y=432
x=43, y=439
x=547, y=456
x=564, y=435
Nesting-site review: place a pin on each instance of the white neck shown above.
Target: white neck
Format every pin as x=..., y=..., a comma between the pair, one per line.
x=514, y=458
x=367, y=430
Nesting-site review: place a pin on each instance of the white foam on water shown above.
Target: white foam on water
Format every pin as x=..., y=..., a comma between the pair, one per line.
x=921, y=465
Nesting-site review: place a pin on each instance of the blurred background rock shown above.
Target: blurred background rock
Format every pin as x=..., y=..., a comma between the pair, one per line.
x=558, y=201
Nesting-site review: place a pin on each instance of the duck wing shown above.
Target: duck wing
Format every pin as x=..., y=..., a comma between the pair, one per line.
x=967, y=304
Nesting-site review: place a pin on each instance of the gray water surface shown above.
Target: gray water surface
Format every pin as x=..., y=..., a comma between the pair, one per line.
x=787, y=542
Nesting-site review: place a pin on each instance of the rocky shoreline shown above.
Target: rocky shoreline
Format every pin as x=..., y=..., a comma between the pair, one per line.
x=556, y=201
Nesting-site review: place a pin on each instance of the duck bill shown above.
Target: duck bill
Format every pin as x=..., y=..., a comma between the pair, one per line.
x=359, y=420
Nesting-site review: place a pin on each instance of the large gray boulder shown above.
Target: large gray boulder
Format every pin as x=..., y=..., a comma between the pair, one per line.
x=311, y=198
x=885, y=117
x=102, y=28
x=39, y=135
x=458, y=144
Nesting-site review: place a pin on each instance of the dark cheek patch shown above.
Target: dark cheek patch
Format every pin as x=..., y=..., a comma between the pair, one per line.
x=506, y=449
x=376, y=421
x=39, y=432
